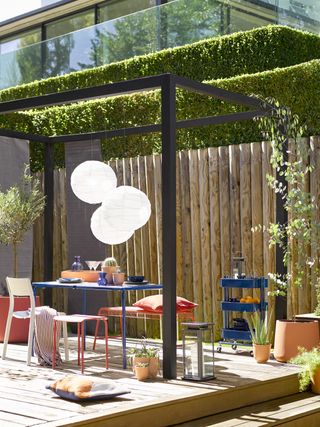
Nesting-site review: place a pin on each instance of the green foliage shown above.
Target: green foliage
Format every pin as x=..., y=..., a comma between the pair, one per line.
x=309, y=362
x=248, y=52
x=252, y=51
x=110, y=262
x=300, y=235
x=20, y=206
x=143, y=350
x=260, y=330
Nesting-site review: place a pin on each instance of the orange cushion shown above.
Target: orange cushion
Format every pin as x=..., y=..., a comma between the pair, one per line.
x=155, y=303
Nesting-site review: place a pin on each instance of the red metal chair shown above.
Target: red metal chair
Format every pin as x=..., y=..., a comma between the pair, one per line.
x=79, y=319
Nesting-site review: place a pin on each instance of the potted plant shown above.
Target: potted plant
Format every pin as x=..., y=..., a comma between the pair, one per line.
x=261, y=334
x=109, y=266
x=310, y=369
x=20, y=206
x=299, y=236
x=142, y=353
x=142, y=371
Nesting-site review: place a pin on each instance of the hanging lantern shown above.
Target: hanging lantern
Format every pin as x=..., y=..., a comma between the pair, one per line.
x=198, y=361
x=238, y=267
x=92, y=180
x=126, y=208
x=106, y=232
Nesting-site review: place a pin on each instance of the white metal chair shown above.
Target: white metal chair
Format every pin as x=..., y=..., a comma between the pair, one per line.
x=22, y=288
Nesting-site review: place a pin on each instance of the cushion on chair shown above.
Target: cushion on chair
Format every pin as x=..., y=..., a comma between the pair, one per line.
x=73, y=387
x=155, y=303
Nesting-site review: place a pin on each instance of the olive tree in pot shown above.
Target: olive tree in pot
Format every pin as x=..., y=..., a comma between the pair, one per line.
x=20, y=206
x=299, y=237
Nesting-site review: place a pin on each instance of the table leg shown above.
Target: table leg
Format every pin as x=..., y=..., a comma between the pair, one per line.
x=84, y=311
x=124, y=331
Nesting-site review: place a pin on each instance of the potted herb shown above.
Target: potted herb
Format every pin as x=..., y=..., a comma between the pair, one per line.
x=142, y=371
x=109, y=266
x=261, y=334
x=309, y=361
x=143, y=353
x=299, y=236
x=20, y=206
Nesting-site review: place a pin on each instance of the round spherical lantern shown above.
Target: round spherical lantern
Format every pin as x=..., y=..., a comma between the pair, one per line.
x=92, y=180
x=106, y=232
x=126, y=208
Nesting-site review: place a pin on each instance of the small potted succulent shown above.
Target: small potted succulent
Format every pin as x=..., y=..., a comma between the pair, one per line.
x=309, y=361
x=109, y=266
x=145, y=354
x=142, y=371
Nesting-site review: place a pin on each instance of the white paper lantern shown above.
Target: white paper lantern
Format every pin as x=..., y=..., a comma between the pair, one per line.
x=106, y=232
x=126, y=208
x=91, y=181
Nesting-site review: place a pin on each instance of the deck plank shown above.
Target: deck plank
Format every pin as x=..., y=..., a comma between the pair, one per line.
x=25, y=401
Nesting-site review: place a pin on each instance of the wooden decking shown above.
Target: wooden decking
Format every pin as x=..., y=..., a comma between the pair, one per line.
x=239, y=382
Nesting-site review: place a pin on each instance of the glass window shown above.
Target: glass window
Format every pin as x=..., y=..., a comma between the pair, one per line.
x=18, y=41
x=70, y=23
x=116, y=8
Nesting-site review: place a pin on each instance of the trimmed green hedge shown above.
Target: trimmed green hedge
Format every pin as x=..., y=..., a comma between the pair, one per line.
x=248, y=52
x=297, y=87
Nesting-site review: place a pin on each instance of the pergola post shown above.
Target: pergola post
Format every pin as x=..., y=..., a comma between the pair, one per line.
x=168, y=115
x=48, y=217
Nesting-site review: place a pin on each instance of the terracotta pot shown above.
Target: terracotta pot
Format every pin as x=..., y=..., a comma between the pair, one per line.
x=142, y=373
x=153, y=365
x=261, y=352
x=118, y=278
x=109, y=270
x=85, y=275
x=290, y=335
x=315, y=382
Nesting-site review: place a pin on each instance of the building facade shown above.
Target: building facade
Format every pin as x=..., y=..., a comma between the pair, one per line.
x=60, y=37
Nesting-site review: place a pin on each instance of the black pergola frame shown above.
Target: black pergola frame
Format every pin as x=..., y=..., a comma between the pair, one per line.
x=167, y=83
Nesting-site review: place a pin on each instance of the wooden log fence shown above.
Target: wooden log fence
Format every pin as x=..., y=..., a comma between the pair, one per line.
x=221, y=193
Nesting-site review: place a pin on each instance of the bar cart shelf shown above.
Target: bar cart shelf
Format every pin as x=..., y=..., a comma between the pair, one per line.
x=238, y=332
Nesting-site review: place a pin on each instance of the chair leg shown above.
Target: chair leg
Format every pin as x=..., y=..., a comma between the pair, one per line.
x=78, y=330
x=82, y=346
x=54, y=344
x=6, y=335
x=30, y=339
x=105, y=321
x=96, y=333
x=65, y=340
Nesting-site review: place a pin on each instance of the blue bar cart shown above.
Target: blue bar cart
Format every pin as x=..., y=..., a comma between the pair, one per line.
x=238, y=331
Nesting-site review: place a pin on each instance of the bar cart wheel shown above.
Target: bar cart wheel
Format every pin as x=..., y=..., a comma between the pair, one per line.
x=219, y=348
x=234, y=346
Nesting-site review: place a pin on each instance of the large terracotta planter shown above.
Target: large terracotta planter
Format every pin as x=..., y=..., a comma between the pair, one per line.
x=315, y=382
x=261, y=352
x=290, y=335
x=19, y=327
x=153, y=365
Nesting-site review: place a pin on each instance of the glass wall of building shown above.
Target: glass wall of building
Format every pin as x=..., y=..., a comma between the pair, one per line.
x=24, y=58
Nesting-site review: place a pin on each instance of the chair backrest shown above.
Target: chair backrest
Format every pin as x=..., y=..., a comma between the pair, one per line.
x=20, y=288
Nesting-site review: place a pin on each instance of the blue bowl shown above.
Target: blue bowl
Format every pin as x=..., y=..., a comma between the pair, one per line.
x=136, y=279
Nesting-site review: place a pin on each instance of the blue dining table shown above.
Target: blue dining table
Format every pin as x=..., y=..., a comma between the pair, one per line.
x=84, y=287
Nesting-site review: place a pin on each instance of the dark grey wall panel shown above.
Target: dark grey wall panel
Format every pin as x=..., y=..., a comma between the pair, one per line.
x=14, y=155
x=80, y=238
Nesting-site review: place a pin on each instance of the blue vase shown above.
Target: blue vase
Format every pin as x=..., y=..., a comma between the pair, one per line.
x=102, y=279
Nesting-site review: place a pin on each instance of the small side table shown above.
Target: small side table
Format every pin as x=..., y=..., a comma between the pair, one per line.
x=80, y=319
